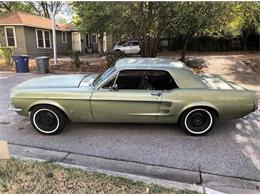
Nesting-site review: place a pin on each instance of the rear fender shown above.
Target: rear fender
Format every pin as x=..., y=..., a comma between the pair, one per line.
x=199, y=104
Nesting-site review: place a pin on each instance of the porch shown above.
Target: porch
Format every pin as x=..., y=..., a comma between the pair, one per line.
x=88, y=43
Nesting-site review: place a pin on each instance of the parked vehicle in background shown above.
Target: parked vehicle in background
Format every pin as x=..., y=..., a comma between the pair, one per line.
x=135, y=90
x=130, y=47
x=119, y=43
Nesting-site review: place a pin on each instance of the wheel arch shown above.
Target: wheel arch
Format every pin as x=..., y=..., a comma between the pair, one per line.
x=206, y=106
x=49, y=103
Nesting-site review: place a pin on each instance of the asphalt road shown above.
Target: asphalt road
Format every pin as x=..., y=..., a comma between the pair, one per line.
x=231, y=149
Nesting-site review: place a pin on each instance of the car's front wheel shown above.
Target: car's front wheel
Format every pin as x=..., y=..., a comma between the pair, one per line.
x=47, y=119
x=197, y=121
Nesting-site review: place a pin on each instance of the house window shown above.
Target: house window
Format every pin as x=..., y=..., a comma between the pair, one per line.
x=43, y=38
x=47, y=39
x=10, y=37
x=64, y=37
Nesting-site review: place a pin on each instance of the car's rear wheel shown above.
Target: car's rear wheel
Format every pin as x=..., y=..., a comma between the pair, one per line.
x=197, y=121
x=47, y=119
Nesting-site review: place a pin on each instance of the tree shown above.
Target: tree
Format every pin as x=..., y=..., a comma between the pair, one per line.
x=148, y=21
x=142, y=18
x=45, y=7
x=42, y=8
x=96, y=17
x=9, y=6
x=246, y=19
x=191, y=19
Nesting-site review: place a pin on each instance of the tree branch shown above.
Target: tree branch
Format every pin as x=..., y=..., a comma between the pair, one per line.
x=5, y=5
x=34, y=7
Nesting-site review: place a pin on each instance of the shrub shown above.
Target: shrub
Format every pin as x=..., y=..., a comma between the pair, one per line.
x=74, y=57
x=114, y=56
x=7, y=54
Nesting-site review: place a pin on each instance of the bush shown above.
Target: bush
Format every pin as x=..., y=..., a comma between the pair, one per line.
x=114, y=56
x=74, y=57
x=7, y=54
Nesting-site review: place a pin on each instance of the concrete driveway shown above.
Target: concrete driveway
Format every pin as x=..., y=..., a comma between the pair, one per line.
x=232, y=149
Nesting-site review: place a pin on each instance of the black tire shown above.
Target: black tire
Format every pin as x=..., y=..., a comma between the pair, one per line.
x=47, y=120
x=118, y=51
x=197, y=121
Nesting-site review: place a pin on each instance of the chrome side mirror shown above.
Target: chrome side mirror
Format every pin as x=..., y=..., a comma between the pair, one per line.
x=114, y=87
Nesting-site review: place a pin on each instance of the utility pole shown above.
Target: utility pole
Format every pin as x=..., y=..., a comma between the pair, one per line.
x=53, y=14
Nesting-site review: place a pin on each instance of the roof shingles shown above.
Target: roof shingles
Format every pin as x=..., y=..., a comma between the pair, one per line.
x=27, y=19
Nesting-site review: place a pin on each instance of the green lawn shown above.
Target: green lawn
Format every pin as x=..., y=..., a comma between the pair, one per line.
x=18, y=176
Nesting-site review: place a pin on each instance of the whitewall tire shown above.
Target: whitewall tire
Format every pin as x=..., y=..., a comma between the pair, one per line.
x=47, y=119
x=197, y=121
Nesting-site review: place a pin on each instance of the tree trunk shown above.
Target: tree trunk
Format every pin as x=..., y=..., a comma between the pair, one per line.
x=100, y=40
x=184, y=48
x=148, y=46
x=45, y=9
x=245, y=41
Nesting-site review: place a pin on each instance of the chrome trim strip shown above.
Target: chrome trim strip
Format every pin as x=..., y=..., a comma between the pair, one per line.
x=12, y=108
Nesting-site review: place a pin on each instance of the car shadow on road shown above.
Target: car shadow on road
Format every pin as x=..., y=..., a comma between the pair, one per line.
x=132, y=128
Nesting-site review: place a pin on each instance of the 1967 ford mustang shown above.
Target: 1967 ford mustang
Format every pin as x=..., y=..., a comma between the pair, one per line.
x=135, y=90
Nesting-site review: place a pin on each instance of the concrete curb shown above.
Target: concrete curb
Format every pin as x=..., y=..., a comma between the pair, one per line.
x=144, y=179
x=205, y=182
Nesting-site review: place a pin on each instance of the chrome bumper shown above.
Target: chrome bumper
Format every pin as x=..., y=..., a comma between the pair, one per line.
x=11, y=107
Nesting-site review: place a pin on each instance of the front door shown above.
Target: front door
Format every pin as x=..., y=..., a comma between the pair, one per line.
x=134, y=100
x=76, y=41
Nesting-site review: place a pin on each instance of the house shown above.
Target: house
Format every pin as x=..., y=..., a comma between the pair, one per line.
x=31, y=35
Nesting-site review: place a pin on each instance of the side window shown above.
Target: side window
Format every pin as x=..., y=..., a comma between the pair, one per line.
x=129, y=79
x=145, y=80
x=127, y=44
x=161, y=80
x=135, y=43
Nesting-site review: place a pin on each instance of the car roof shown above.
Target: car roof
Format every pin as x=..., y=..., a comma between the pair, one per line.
x=147, y=63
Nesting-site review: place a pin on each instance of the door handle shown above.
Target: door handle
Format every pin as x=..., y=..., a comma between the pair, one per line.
x=156, y=94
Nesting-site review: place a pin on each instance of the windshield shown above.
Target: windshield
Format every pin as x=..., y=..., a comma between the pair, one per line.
x=104, y=76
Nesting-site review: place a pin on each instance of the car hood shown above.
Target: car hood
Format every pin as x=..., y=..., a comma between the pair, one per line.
x=54, y=81
x=215, y=81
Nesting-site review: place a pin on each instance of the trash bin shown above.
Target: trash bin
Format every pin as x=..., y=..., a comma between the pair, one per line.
x=21, y=63
x=42, y=63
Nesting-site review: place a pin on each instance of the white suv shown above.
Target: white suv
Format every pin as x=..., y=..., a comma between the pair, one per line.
x=130, y=47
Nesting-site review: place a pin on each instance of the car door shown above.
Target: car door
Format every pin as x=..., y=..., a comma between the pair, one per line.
x=135, y=47
x=126, y=48
x=132, y=101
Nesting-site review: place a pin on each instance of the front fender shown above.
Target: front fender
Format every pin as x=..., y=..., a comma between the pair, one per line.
x=48, y=102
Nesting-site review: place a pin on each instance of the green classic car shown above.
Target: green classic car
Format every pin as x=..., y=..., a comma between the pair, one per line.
x=135, y=90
